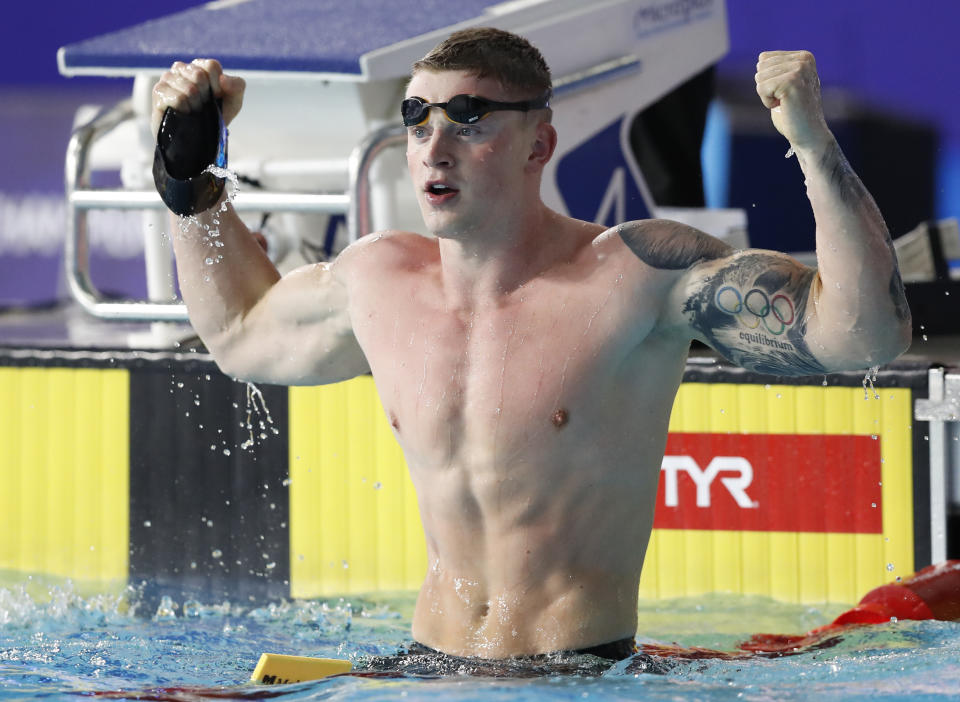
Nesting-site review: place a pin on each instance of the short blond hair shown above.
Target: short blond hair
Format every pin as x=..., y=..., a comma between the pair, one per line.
x=492, y=53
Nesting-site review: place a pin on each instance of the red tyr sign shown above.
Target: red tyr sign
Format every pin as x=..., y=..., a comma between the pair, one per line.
x=771, y=482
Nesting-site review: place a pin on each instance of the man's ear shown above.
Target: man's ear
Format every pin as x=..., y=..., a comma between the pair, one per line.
x=543, y=146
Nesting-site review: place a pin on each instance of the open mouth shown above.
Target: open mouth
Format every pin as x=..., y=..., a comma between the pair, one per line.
x=438, y=192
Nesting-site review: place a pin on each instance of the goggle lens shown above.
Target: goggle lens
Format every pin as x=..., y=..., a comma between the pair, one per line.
x=463, y=109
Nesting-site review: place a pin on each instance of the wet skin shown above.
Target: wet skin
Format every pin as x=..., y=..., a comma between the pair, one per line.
x=528, y=362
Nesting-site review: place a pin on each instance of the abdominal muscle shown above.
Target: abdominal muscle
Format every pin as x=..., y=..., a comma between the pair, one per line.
x=535, y=532
x=542, y=564
x=489, y=619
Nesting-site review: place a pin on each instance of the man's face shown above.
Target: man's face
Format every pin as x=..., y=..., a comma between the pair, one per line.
x=466, y=175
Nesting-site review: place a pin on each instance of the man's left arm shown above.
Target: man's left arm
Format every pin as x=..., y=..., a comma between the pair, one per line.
x=764, y=310
x=858, y=298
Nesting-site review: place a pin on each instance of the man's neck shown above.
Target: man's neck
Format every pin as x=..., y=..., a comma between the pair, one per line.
x=484, y=267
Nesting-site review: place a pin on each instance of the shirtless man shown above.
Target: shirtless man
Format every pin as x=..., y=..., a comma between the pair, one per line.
x=527, y=361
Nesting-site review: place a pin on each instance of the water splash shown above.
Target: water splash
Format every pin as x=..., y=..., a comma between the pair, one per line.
x=264, y=420
x=210, y=232
x=26, y=606
x=233, y=183
x=868, y=380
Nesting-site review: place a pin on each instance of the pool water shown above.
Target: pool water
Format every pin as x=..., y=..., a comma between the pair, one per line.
x=58, y=644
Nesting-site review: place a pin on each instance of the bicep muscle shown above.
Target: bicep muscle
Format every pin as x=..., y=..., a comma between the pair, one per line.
x=754, y=308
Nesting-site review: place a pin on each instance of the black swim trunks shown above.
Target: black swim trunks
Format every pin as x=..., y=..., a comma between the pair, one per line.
x=423, y=661
x=614, y=651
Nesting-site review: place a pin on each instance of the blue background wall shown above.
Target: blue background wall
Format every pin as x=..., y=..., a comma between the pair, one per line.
x=893, y=56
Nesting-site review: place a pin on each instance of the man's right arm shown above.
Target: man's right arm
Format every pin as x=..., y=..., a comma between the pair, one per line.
x=294, y=330
x=258, y=326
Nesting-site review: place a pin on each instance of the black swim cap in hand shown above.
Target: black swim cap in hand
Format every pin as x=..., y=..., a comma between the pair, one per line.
x=187, y=143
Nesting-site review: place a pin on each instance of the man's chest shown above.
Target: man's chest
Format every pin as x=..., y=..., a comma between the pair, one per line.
x=502, y=375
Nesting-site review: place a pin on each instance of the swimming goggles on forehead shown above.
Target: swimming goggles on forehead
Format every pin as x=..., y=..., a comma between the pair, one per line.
x=464, y=109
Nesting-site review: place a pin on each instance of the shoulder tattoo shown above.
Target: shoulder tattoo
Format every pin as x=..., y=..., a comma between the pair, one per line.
x=753, y=310
x=671, y=245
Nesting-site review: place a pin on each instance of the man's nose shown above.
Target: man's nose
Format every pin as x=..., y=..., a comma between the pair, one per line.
x=437, y=151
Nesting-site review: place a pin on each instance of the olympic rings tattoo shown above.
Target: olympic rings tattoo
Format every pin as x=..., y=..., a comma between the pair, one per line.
x=756, y=307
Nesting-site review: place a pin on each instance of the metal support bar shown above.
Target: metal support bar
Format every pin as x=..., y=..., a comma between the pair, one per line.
x=361, y=160
x=81, y=198
x=942, y=406
x=244, y=201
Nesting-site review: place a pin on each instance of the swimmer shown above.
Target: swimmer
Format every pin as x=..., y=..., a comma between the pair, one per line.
x=527, y=361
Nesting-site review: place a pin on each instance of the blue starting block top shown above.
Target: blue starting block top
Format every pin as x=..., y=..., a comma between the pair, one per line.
x=302, y=36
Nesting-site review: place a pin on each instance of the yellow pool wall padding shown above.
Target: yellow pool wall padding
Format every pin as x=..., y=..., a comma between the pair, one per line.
x=355, y=526
x=354, y=521
x=58, y=433
x=791, y=566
